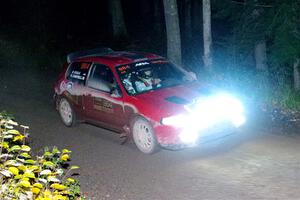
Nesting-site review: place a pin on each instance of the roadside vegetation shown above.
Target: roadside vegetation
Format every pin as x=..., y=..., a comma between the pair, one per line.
x=24, y=176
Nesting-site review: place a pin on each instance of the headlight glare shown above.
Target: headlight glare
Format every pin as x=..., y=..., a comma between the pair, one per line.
x=177, y=120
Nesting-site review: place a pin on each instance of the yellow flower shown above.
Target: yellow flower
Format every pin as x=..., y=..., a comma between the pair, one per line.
x=35, y=190
x=18, y=138
x=5, y=145
x=65, y=157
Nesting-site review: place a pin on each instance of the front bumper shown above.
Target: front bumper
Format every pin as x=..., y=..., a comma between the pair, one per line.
x=173, y=141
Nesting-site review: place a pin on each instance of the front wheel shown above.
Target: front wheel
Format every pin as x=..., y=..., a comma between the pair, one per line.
x=66, y=112
x=143, y=136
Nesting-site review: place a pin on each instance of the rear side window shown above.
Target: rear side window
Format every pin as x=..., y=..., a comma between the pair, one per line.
x=78, y=72
x=101, y=78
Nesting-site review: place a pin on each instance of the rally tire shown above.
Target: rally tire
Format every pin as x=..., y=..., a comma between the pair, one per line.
x=66, y=112
x=143, y=136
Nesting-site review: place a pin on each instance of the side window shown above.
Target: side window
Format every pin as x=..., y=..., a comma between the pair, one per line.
x=101, y=78
x=78, y=72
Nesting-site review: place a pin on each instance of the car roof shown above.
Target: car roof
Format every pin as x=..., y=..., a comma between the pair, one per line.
x=110, y=57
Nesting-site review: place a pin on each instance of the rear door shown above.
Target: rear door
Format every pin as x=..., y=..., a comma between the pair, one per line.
x=101, y=106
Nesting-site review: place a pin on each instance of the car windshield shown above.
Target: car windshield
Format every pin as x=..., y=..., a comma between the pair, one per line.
x=145, y=76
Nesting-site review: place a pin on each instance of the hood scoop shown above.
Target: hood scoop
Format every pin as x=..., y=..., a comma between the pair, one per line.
x=177, y=100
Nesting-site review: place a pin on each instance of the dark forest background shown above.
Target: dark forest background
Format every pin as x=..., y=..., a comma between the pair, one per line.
x=244, y=33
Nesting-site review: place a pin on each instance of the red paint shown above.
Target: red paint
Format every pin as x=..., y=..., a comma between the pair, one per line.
x=117, y=112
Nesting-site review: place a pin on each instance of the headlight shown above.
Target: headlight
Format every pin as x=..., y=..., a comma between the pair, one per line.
x=177, y=121
x=213, y=109
x=206, y=113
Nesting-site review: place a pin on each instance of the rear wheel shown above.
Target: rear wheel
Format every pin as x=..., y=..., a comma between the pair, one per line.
x=143, y=136
x=66, y=112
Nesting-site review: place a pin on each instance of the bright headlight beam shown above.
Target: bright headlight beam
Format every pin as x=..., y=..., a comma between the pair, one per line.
x=207, y=112
x=177, y=120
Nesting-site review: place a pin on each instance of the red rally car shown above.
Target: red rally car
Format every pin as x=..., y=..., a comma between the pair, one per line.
x=143, y=96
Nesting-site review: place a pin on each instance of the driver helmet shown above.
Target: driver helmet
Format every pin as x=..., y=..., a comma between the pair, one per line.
x=147, y=73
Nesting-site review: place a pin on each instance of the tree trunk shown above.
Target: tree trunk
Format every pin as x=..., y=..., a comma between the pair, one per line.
x=261, y=56
x=173, y=31
x=207, y=39
x=296, y=74
x=118, y=23
x=188, y=19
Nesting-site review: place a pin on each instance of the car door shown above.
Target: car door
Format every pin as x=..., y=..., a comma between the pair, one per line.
x=101, y=106
x=76, y=80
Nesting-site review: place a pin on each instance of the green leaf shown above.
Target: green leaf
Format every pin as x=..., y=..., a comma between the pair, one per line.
x=13, y=132
x=25, y=183
x=12, y=163
x=58, y=186
x=15, y=148
x=38, y=185
x=66, y=151
x=14, y=170
x=48, y=154
x=29, y=174
x=49, y=164
x=30, y=161
x=25, y=148
x=25, y=155
x=55, y=150
x=74, y=167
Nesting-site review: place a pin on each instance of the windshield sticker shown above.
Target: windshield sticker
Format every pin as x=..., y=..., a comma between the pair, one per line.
x=84, y=65
x=77, y=75
x=141, y=64
x=124, y=69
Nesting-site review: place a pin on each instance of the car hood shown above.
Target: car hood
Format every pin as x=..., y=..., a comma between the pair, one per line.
x=170, y=101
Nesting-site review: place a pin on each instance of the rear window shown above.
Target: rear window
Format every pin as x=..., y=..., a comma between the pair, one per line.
x=78, y=72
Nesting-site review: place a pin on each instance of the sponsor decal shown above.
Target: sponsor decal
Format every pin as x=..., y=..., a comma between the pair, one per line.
x=103, y=105
x=77, y=75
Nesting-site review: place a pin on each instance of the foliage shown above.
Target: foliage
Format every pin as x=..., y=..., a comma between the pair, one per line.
x=23, y=177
